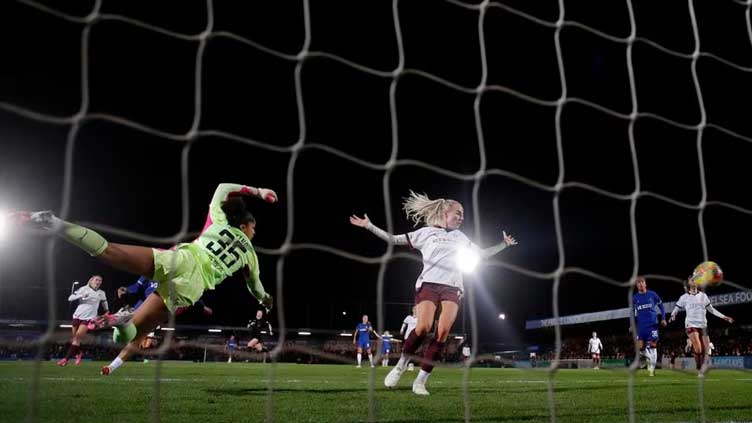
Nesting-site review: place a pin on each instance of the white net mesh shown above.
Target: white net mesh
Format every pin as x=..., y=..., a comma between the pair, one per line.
x=558, y=89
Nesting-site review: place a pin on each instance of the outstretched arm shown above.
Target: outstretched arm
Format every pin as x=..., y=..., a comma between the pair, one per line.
x=253, y=282
x=496, y=249
x=366, y=224
x=224, y=190
x=717, y=313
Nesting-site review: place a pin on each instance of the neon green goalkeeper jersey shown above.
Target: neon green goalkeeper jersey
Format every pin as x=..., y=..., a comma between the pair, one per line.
x=227, y=248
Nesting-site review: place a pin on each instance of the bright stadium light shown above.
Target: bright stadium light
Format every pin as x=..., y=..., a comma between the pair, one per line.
x=167, y=329
x=304, y=333
x=215, y=330
x=66, y=326
x=459, y=338
x=345, y=334
x=3, y=224
x=467, y=259
x=502, y=316
x=344, y=313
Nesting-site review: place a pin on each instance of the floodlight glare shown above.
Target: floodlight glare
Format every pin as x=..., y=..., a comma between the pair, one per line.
x=467, y=259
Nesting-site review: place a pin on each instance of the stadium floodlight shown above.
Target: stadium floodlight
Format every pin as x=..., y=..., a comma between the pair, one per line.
x=459, y=338
x=3, y=224
x=502, y=316
x=303, y=333
x=263, y=332
x=66, y=326
x=167, y=329
x=467, y=259
x=345, y=334
x=344, y=313
x=215, y=330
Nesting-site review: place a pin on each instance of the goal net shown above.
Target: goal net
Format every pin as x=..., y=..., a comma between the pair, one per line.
x=610, y=139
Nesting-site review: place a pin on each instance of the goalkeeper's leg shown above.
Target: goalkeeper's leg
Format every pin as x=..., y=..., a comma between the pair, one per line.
x=151, y=313
x=131, y=258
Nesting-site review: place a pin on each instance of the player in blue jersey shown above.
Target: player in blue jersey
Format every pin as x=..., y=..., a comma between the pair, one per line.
x=363, y=336
x=136, y=293
x=230, y=347
x=646, y=320
x=386, y=347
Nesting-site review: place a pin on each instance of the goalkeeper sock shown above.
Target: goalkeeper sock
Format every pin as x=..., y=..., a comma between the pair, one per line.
x=83, y=238
x=124, y=334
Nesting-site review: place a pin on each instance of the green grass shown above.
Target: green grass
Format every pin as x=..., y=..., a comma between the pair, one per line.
x=238, y=392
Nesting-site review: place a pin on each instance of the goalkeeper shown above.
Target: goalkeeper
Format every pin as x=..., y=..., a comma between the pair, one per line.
x=183, y=273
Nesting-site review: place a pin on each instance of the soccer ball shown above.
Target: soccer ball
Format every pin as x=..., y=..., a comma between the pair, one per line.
x=707, y=273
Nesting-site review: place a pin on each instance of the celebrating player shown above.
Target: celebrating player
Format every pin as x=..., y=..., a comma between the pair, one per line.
x=363, y=335
x=440, y=282
x=89, y=298
x=696, y=304
x=184, y=272
x=595, y=347
x=644, y=303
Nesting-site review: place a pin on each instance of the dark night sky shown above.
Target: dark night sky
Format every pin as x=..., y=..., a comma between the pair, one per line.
x=131, y=179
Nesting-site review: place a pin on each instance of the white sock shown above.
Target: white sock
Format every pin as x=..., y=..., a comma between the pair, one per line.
x=117, y=362
x=370, y=358
x=360, y=357
x=422, y=377
x=653, y=357
x=385, y=362
x=402, y=362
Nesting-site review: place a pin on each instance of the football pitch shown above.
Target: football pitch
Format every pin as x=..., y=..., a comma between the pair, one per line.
x=222, y=392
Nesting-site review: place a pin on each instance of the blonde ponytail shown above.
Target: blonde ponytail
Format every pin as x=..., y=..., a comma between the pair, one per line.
x=421, y=209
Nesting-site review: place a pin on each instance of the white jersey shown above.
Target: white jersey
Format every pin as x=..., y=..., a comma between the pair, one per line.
x=695, y=305
x=439, y=249
x=88, y=302
x=595, y=346
x=408, y=325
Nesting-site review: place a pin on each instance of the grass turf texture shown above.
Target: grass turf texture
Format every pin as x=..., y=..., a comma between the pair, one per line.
x=338, y=393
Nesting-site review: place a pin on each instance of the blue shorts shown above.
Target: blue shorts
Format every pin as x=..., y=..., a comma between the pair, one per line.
x=364, y=344
x=648, y=333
